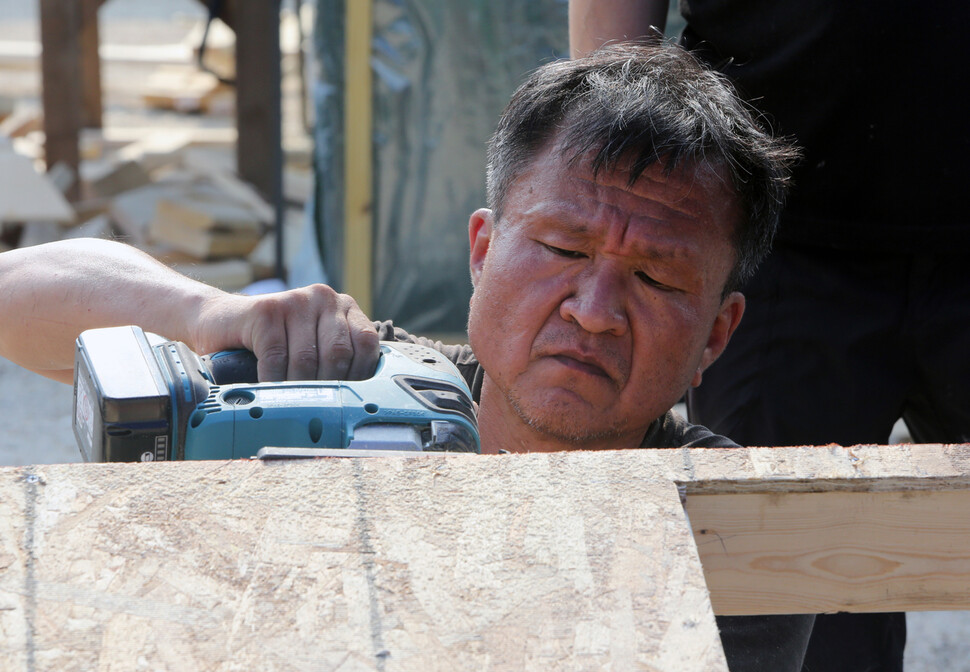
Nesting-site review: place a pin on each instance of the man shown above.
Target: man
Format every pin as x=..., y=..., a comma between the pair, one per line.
x=630, y=195
x=854, y=319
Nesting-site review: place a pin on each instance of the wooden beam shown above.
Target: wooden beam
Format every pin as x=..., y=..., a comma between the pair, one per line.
x=358, y=156
x=258, y=72
x=814, y=530
x=822, y=552
x=60, y=24
x=90, y=63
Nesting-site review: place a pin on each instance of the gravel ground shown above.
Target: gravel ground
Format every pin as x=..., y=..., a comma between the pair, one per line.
x=37, y=430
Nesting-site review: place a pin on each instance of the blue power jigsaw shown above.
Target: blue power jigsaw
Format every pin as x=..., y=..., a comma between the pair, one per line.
x=139, y=397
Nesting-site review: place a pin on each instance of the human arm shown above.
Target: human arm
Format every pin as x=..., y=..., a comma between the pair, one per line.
x=593, y=23
x=50, y=293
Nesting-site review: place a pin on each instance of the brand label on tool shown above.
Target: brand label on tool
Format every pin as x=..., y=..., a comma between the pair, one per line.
x=321, y=395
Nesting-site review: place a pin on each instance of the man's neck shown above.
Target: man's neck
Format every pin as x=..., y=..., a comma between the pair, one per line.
x=502, y=429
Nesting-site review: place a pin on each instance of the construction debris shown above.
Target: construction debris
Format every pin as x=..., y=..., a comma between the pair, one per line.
x=163, y=178
x=205, y=223
x=112, y=178
x=187, y=89
x=172, y=193
x=28, y=196
x=19, y=122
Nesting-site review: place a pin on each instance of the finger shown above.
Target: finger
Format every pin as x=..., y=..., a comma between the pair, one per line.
x=302, y=352
x=269, y=346
x=265, y=334
x=336, y=348
x=366, y=345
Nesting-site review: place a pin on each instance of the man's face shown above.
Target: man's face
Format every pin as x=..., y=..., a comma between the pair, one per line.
x=597, y=304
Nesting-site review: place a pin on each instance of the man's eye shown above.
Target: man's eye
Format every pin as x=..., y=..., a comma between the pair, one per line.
x=647, y=280
x=569, y=254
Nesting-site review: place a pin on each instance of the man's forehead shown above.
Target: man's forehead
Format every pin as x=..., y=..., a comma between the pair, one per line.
x=690, y=189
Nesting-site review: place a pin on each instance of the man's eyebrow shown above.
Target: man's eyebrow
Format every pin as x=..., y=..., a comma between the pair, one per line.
x=568, y=221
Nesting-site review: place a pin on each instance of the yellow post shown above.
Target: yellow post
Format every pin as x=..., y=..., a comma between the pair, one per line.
x=358, y=196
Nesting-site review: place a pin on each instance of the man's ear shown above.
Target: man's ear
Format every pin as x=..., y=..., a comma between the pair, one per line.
x=727, y=320
x=479, y=236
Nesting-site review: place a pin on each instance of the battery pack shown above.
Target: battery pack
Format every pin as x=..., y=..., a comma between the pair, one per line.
x=122, y=404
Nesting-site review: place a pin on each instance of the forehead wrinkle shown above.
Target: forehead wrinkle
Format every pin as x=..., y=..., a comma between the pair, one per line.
x=621, y=223
x=625, y=197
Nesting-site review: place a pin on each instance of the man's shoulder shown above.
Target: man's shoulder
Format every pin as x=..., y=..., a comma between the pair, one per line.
x=459, y=354
x=671, y=430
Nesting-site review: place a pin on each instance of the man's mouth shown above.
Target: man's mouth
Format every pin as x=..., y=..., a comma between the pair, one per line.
x=582, y=364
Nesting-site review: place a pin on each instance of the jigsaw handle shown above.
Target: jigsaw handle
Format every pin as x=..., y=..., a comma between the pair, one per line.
x=232, y=366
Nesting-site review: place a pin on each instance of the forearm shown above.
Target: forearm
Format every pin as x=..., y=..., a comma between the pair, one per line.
x=49, y=294
x=593, y=23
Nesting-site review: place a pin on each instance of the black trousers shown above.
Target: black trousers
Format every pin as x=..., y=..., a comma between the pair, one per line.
x=835, y=346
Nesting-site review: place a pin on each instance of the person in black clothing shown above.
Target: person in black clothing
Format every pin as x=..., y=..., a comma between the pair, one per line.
x=859, y=315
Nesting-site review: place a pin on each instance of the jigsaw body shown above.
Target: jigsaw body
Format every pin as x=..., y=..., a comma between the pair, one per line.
x=138, y=397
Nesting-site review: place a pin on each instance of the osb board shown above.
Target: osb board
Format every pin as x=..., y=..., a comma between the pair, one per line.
x=431, y=563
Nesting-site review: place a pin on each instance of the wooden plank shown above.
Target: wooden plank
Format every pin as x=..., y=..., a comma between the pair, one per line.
x=26, y=195
x=814, y=530
x=90, y=64
x=358, y=155
x=161, y=147
x=134, y=210
x=60, y=24
x=181, y=88
x=834, y=551
x=109, y=178
x=22, y=122
x=437, y=562
x=829, y=468
x=570, y=560
x=206, y=222
x=258, y=74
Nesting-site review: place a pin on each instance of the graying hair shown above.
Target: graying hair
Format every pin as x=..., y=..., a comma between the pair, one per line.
x=645, y=103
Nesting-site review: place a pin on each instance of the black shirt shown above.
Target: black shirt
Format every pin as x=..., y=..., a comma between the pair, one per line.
x=874, y=92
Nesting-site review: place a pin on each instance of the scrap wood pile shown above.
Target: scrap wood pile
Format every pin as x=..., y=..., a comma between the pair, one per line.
x=170, y=189
x=172, y=193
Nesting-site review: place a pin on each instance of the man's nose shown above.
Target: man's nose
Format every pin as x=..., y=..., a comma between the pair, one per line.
x=597, y=302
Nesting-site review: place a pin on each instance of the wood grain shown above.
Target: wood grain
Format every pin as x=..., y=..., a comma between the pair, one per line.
x=832, y=528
